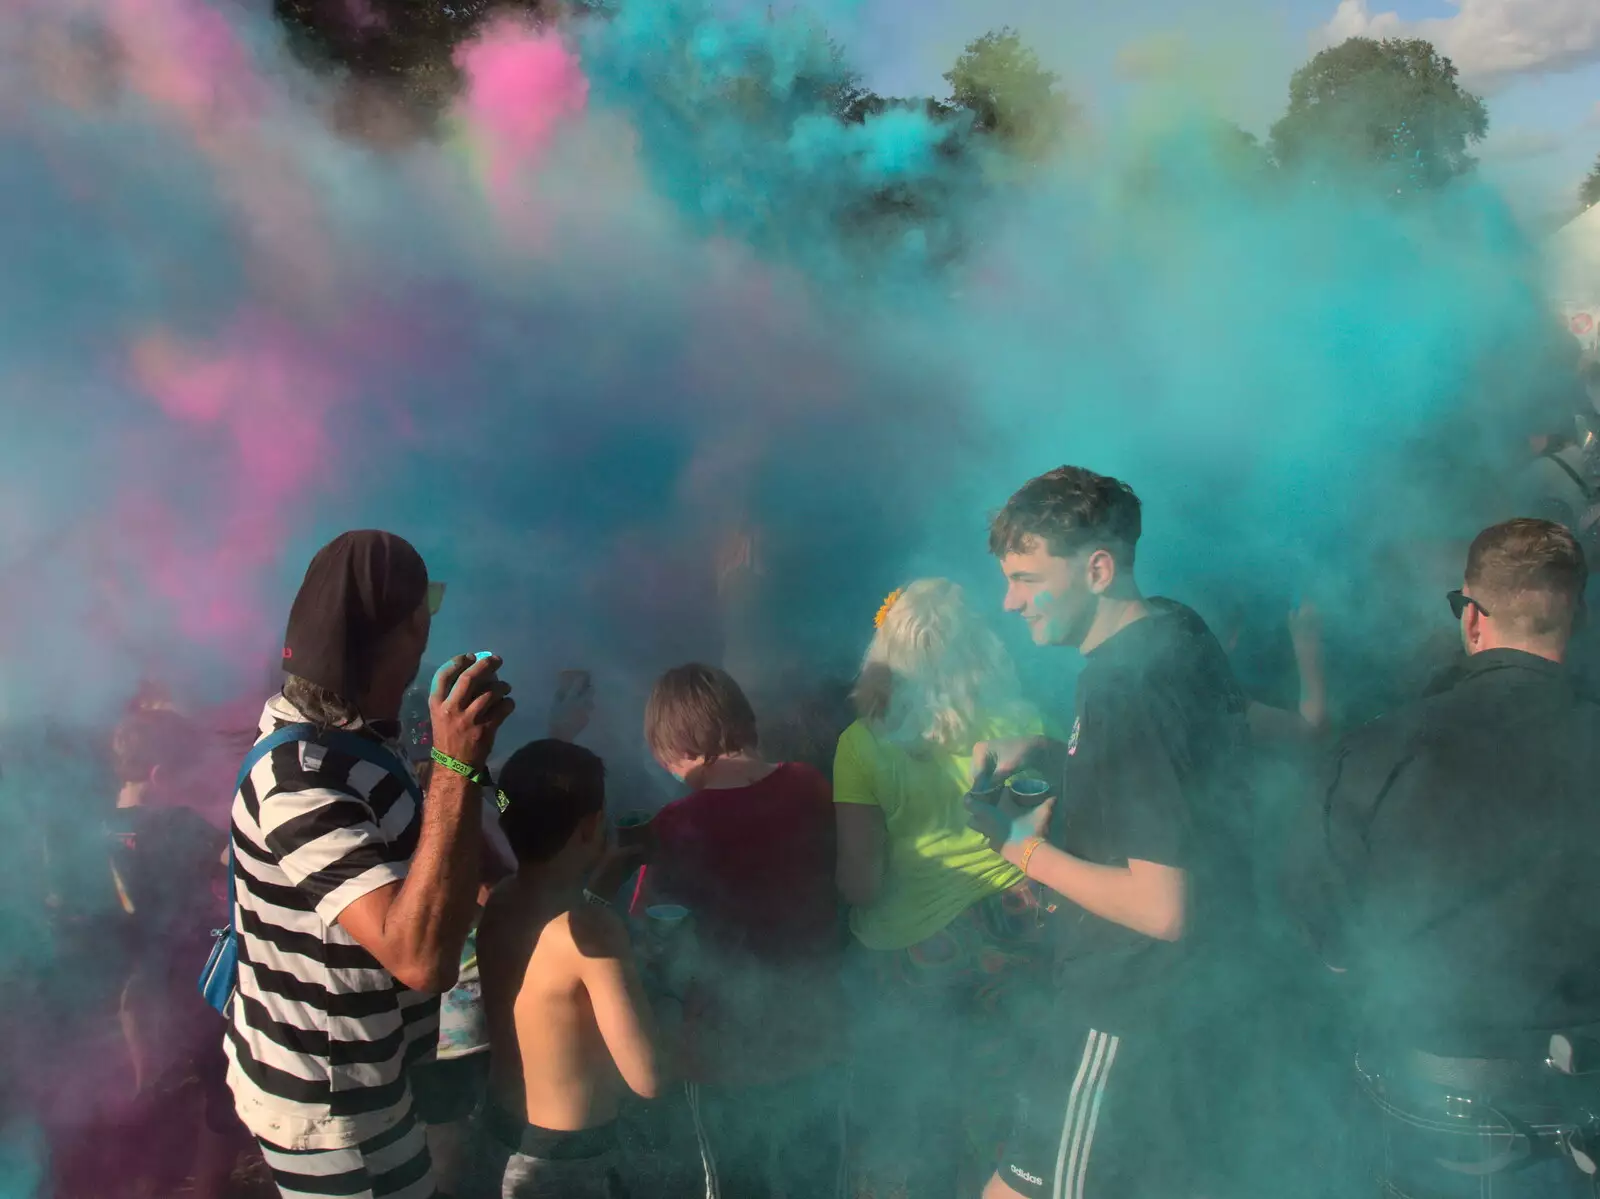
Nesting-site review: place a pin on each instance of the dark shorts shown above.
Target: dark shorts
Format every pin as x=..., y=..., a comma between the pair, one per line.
x=509, y=1159
x=443, y=1092
x=786, y=1138
x=1095, y=1121
x=934, y=1042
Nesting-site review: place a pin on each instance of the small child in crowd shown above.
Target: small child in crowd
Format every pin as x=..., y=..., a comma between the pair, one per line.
x=750, y=853
x=569, y=1024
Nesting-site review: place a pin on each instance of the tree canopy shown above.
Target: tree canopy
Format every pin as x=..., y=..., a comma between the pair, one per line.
x=1391, y=107
x=402, y=43
x=1010, y=95
x=1589, y=190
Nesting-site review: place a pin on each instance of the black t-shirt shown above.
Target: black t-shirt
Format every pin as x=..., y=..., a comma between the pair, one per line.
x=1451, y=865
x=1157, y=771
x=164, y=862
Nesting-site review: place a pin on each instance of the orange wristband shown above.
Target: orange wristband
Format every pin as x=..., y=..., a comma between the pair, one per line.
x=1032, y=843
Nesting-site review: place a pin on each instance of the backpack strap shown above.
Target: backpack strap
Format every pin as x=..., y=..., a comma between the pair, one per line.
x=219, y=979
x=371, y=751
x=263, y=747
x=1566, y=467
x=337, y=739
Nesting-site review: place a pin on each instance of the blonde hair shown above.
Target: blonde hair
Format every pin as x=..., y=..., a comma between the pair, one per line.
x=935, y=672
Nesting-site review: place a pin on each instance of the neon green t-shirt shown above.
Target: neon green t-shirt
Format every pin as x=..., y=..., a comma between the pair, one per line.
x=937, y=866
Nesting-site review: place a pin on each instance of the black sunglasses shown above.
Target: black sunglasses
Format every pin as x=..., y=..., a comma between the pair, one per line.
x=1459, y=601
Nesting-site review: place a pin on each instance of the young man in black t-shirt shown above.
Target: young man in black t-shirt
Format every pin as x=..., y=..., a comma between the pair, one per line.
x=1140, y=844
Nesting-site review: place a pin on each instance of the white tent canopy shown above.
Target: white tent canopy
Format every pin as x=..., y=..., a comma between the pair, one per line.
x=1575, y=263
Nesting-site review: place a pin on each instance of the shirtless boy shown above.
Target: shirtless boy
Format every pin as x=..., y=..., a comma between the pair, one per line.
x=569, y=1024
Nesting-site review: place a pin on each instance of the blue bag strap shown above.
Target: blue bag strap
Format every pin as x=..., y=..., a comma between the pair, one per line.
x=345, y=742
x=371, y=751
x=263, y=747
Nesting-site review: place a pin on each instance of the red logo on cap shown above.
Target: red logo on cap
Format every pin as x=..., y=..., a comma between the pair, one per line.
x=287, y=652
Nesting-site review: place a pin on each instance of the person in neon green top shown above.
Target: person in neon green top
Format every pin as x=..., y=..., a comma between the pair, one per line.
x=939, y=916
x=914, y=865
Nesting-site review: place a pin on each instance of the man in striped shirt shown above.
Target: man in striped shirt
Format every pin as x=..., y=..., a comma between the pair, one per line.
x=352, y=902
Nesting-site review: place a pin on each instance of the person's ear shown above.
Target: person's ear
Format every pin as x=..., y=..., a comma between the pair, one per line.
x=1101, y=569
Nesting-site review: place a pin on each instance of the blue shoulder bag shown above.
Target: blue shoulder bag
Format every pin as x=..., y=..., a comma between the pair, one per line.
x=221, y=975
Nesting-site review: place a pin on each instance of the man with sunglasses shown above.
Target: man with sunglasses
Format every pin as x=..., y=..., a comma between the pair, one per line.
x=1450, y=872
x=352, y=899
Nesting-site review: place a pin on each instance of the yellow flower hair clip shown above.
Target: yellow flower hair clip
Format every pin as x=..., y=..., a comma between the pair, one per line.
x=888, y=602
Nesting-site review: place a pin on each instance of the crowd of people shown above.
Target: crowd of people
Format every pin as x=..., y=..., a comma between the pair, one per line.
x=1170, y=940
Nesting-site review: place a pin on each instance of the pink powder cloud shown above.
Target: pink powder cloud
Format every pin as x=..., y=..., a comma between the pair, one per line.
x=252, y=410
x=522, y=84
x=187, y=57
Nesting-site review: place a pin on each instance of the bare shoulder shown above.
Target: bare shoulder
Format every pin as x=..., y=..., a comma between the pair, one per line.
x=597, y=932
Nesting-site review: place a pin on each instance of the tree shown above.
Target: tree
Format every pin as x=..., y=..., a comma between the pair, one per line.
x=406, y=45
x=1237, y=150
x=1589, y=192
x=1194, y=159
x=1392, y=107
x=1010, y=94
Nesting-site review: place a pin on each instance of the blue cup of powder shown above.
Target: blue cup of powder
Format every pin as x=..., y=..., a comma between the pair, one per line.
x=1028, y=793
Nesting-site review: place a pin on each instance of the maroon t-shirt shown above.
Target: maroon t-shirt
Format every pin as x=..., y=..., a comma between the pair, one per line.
x=755, y=867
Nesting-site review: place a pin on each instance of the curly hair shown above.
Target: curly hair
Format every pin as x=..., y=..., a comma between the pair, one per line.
x=1069, y=509
x=935, y=671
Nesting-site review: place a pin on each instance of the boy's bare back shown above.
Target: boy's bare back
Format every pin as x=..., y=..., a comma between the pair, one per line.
x=569, y=1025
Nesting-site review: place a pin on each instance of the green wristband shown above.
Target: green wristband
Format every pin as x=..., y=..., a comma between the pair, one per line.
x=473, y=774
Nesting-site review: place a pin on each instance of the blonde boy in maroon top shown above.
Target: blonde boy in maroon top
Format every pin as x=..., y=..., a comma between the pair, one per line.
x=750, y=853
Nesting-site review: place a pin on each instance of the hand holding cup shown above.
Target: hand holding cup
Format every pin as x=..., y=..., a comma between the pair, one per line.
x=467, y=705
x=1004, y=821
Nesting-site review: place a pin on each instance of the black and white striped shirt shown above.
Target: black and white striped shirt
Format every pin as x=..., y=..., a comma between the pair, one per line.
x=321, y=1035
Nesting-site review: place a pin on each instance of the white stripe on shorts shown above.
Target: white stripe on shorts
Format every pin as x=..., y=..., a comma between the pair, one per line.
x=1083, y=1113
x=708, y=1157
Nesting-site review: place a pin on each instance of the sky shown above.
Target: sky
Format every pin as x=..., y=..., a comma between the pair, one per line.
x=1536, y=62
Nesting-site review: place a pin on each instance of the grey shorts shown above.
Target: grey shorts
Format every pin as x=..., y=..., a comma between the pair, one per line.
x=510, y=1160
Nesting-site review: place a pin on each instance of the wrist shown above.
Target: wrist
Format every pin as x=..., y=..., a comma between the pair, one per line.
x=473, y=772
x=1018, y=851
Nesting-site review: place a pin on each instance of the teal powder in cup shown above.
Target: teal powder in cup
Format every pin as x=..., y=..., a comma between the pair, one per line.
x=1028, y=793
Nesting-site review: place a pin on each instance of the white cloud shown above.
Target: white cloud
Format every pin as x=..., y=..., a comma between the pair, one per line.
x=1488, y=40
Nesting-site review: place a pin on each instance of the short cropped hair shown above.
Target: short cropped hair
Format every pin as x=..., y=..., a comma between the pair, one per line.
x=150, y=737
x=1069, y=509
x=698, y=711
x=1530, y=575
x=548, y=788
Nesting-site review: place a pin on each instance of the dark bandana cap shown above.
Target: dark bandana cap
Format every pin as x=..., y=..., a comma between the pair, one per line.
x=360, y=587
